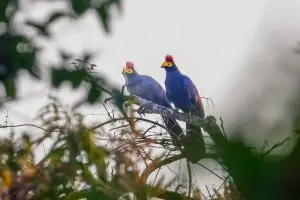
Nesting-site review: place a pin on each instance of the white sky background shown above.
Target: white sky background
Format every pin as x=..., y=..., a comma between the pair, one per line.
x=228, y=48
x=266, y=90
x=207, y=38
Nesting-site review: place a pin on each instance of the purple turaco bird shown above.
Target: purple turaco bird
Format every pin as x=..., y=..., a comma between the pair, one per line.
x=147, y=88
x=182, y=92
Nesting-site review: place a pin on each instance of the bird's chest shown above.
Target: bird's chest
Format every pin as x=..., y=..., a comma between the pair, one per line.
x=135, y=87
x=175, y=90
x=140, y=88
x=174, y=86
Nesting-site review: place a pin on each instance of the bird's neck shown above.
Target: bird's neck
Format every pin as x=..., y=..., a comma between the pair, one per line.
x=173, y=72
x=132, y=78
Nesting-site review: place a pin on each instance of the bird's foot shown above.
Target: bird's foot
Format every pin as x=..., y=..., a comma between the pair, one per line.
x=143, y=109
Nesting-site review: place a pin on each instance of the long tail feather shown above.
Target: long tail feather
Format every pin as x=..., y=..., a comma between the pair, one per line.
x=194, y=143
x=173, y=127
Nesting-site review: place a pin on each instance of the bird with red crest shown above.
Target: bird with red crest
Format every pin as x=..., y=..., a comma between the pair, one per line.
x=148, y=88
x=128, y=69
x=182, y=92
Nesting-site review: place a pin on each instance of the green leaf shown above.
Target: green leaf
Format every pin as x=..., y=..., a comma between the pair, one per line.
x=3, y=6
x=41, y=28
x=16, y=53
x=104, y=16
x=24, y=55
x=89, y=193
x=58, y=76
x=10, y=87
x=74, y=76
x=65, y=55
x=94, y=93
x=88, y=177
x=80, y=6
x=118, y=3
x=100, y=155
x=119, y=98
x=55, y=16
x=193, y=147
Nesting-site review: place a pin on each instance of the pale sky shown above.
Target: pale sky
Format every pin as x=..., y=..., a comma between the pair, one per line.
x=228, y=48
x=262, y=97
x=207, y=38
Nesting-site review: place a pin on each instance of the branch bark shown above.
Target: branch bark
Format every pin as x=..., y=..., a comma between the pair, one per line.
x=209, y=123
x=157, y=164
x=152, y=108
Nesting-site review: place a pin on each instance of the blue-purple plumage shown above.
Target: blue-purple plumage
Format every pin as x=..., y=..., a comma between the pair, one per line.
x=182, y=92
x=148, y=88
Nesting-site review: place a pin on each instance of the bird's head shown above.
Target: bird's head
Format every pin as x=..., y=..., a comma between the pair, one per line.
x=128, y=69
x=169, y=63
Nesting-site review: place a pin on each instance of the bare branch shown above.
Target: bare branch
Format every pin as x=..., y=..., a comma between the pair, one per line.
x=152, y=108
x=209, y=100
x=20, y=125
x=190, y=178
x=157, y=164
x=275, y=146
x=128, y=119
x=222, y=178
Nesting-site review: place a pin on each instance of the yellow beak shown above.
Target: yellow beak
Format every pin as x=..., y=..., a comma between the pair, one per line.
x=127, y=70
x=164, y=64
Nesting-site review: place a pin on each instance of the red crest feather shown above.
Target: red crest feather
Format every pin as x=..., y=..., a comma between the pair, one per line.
x=129, y=65
x=169, y=58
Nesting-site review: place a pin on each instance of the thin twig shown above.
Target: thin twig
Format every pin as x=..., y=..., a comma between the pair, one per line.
x=91, y=79
x=226, y=180
x=156, y=175
x=6, y=119
x=108, y=113
x=20, y=125
x=128, y=119
x=122, y=126
x=210, y=196
x=209, y=99
x=107, y=99
x=275, y=146
x=169, y=153
x=222, y=127
x=147, y=130
x=190, y=178
x=157, y=164
x=211, y=171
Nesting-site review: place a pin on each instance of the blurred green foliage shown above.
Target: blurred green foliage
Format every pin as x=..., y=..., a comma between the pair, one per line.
x=76, y=166
x=18, y=52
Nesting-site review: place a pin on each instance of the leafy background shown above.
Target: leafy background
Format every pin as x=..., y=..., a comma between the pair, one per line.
x=78, y=166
